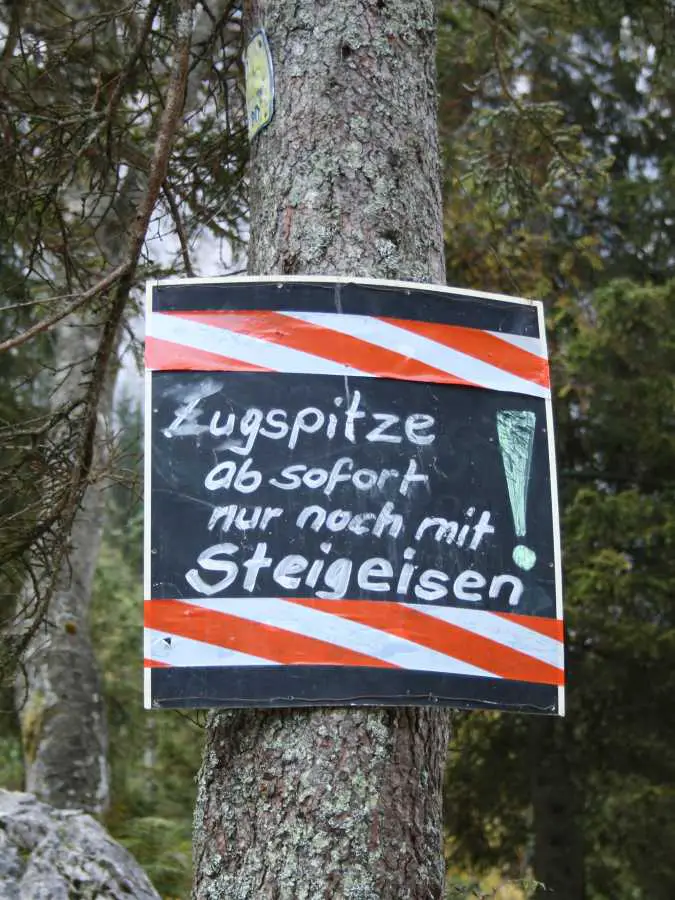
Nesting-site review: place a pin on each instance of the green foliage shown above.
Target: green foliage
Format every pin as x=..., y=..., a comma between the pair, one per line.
x=619, y=377
x=154, y=755
x=102, y=188
x=11, y=760
x=559, y=179
x=620, y=565
x=557, y=128
x=23, y=391
x=619, y=540
x=164, y=846
x=491, y=887
x=87, y=145
x=557, y=140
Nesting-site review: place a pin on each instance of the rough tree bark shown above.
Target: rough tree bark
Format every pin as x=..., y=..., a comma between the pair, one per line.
x=335, y=802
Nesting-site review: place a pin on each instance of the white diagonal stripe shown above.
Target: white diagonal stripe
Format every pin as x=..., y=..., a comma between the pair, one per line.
x=340, y=632
x=182, y=651
x=407, y=343
x=243, y=347
x=531, y=344
x=501, y=630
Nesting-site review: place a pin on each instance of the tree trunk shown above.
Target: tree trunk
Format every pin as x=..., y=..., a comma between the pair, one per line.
x=109, y=202
x=338, y=802
x=59, y=694
x=558, y=843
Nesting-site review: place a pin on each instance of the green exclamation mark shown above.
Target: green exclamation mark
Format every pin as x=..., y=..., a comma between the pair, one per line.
x=515, y=430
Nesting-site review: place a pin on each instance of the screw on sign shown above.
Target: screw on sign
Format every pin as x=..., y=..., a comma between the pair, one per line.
x=338, y=475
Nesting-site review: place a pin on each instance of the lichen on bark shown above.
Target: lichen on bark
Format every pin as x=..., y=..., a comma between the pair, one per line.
x=345, y=179
x=321, y=804
x=335, y=803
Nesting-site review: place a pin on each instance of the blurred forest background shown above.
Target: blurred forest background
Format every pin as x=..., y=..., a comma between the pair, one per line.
x=558, y=142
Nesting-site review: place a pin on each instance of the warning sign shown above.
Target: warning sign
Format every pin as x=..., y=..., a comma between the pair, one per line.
x=351, y=497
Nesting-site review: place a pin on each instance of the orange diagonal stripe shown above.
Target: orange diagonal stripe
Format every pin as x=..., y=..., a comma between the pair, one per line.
x=325, y=343
x=483, y=346
x=155, y=664
x=550, y=628
x=266, y=641
x=166, y=355
x=442, y=636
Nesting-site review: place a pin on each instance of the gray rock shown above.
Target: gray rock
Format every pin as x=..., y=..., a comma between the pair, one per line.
x=54, y=854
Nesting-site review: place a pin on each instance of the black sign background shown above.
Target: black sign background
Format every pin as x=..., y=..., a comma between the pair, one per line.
x=463, y=465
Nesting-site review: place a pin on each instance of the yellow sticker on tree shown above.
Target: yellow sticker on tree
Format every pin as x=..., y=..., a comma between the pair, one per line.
x=259, y=83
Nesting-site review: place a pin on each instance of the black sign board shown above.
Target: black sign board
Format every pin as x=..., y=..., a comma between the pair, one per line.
x=350, y=497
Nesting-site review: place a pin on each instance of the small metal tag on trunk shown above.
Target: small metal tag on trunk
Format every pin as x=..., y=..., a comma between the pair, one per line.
x=259, y=83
